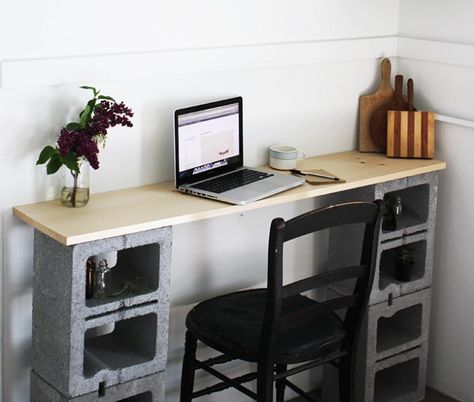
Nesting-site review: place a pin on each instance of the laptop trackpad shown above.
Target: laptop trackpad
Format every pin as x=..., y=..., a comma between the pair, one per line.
x=252, y=190
x=262, y=186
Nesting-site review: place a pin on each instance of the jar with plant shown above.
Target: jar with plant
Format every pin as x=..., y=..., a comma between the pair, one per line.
x=78, y=143
x=404, y=263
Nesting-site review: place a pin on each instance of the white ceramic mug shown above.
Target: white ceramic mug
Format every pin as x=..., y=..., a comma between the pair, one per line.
x=284, y=157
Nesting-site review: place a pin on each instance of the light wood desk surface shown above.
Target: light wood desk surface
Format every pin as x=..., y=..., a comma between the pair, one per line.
x=147, y=207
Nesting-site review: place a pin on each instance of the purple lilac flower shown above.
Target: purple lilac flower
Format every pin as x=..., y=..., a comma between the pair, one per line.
x=108, y=114
x=84, y=142
x=79, y=143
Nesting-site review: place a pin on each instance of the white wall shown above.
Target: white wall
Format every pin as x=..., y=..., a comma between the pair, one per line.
x=300, y=68
x=443, y=71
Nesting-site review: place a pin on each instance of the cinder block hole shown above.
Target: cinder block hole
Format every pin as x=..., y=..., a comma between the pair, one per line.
x=402, y=327
x=415, y=207
x=100, y=330
x=388, y=274
x=136, y=272
x=145, y=397
x=101, y=390
x=131, y=342
x=397, y=381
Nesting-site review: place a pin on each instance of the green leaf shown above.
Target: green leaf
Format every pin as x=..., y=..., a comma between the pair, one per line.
x=91, y=88
x=85, y=116
x=54, y=164
x=91, y=103
x=106, y=98
x=45, y=154
x=73, y=126
x=70, y=160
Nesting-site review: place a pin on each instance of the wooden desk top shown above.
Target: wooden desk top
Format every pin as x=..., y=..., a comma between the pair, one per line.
x=147, y=207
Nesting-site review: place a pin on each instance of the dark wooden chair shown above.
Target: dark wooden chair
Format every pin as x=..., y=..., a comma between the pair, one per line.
x=277, y=326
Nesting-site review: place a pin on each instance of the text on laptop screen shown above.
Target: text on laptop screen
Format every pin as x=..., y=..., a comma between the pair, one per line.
x=208, y=139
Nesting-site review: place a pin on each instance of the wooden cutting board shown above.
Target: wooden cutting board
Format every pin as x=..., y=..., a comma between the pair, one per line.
x=368, y=104
x=378, y=120
x=410, y=134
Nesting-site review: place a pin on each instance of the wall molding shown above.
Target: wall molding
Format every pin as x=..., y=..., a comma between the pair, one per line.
x=68, y=70
x=436, y=51
x=73, y=70
x=454, y=120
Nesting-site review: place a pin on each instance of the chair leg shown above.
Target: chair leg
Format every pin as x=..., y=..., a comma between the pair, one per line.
x=345, y=379
x=280, y=384
x=265, y=382
x=187, y=374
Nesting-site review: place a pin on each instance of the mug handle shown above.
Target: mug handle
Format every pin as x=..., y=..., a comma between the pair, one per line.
x=301, y=155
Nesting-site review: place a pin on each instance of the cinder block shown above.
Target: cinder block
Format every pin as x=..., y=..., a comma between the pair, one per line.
x=396, y=327
x=419, y=196
x=64, y=322
x=400, y=378
x=389, y=330
x=146, y=389
x=385, y=283
x=420, y=207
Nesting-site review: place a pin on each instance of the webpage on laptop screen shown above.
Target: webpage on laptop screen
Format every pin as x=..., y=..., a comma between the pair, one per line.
x=208, y=139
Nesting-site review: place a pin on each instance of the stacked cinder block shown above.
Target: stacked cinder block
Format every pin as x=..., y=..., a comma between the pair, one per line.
x=393, y=347
x=107, y=349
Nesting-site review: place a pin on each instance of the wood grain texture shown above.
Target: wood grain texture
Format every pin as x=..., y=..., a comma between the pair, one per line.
x=378, y=120
x=369, y=103
x=410, y=134
x=147, y=207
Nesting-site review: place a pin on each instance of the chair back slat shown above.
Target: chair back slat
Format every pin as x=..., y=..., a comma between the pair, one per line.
x=325, y=279
x=332, y=216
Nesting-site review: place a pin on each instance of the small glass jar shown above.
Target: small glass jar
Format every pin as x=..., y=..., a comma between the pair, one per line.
x=75, y=185
x=397, y=207
x=102, y=280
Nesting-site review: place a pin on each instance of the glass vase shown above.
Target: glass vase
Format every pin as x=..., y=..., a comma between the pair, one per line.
x=75, y=186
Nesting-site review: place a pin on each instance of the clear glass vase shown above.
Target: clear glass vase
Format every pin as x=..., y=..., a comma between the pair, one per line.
x=75, y=186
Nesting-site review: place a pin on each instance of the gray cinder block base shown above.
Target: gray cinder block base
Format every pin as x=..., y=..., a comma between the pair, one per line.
x=66, y=349
x=397, y=327
x=420, y=194
x=146, y=389
x=385, y=283
x=394, y=338
x=400, y=378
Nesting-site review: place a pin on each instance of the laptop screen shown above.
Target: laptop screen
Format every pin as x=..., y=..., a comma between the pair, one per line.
x=208, y=140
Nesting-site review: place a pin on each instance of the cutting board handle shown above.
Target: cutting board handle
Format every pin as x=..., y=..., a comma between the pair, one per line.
x=410, y=95
x=385, y=72
x=398, y=95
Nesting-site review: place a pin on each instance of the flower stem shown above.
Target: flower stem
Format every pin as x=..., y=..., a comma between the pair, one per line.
x=75, y=176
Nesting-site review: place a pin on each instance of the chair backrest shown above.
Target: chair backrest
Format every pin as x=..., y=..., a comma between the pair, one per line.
x=281, y=231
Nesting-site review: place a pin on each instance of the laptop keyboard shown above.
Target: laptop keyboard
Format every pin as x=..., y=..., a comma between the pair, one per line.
x=232, y=180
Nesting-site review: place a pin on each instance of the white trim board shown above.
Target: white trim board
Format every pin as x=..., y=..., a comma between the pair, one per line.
x=454, y=120
x=436, y=51
x=68, y=70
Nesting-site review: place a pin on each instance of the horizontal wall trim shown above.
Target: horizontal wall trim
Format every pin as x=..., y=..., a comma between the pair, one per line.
x=69, y=70
x=454, y=120
x=436, y=51
x=57, y=71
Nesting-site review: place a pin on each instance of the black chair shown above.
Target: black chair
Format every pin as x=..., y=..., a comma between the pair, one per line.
x=278, y=326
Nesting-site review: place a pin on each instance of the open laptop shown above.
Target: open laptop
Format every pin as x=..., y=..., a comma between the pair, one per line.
x=209, y=156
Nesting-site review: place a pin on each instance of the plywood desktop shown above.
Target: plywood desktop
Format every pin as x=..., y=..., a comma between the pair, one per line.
x=147, y=207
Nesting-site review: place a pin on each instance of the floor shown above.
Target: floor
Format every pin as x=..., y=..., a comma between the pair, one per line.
x=435, y=396
x=431, y=396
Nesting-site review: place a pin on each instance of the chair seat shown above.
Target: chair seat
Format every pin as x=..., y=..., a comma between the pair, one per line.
x=232, y=324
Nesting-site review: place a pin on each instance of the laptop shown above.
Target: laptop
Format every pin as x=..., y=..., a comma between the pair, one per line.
x=209, y=156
